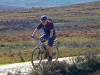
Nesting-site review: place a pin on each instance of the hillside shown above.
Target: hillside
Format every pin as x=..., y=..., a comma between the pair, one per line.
x=65, y=18
x=6, y=8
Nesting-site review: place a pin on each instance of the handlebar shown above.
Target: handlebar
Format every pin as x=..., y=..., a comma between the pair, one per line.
x=36, y=38
x=41, y=39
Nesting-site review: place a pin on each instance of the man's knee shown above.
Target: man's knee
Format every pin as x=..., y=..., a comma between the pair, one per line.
x=50, y=42
x=49, y=46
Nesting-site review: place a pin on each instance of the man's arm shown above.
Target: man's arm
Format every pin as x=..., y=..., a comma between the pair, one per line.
x=35, y=31
x=51, y=33
x=51, y=30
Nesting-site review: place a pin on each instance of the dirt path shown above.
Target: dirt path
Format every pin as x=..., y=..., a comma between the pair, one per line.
x=24, y=68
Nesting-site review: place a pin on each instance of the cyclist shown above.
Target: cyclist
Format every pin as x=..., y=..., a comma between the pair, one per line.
x=49, y=33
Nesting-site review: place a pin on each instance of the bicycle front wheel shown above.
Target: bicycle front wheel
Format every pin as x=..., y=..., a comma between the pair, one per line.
x=55, y=53
x=36, y=57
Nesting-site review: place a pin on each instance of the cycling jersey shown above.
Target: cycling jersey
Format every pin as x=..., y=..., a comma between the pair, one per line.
x=47, y=28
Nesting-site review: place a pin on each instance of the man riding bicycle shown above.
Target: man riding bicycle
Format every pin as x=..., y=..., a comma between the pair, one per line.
x=49, y=33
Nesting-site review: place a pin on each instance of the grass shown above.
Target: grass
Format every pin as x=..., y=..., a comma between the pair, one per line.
x=70, y=45
x=26, y=54
x=63, y=40
x=67, y=52
x=14, y=57
x=76, y=39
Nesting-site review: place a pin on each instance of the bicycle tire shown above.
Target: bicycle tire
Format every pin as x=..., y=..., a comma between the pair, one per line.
x=34, y=60
x=56, y=50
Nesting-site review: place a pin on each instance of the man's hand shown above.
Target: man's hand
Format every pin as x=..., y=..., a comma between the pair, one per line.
x=48, y=38
x=32, y=36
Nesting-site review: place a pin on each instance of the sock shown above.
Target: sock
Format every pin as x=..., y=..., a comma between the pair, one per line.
x=50, y=58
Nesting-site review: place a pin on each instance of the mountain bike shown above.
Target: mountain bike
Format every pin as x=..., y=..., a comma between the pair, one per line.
x=40, y=53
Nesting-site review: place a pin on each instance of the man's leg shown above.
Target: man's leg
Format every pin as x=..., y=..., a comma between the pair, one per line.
x=50, y=53
x=44, y=37
x=50, y=44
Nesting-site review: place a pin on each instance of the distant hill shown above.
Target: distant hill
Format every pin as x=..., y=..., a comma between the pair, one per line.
x=6, y=8
x=42, y=3
x=79, y=17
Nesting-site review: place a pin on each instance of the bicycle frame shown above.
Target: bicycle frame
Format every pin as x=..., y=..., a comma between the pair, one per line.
x=41, y=43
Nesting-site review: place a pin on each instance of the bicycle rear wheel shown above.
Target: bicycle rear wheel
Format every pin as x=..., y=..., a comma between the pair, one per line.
x=36, y=57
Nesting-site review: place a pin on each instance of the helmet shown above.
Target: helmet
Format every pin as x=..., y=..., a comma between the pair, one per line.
x=43, y=18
